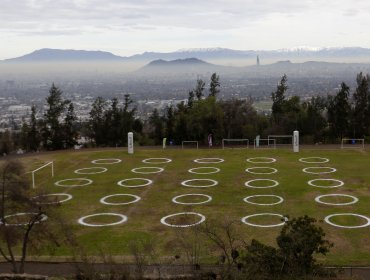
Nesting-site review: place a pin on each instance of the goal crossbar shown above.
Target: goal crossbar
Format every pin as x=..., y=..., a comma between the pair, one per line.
x=281, y=137
x=268, y=146
x=41, y=167
x=235, y=140
x=189, y=142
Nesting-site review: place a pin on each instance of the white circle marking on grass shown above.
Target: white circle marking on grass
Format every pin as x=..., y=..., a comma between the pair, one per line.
x=60, y=183
x=244, y=220
x=121, y=183
x=314, y=160
x=261, y=160
x=307, y=170
x=274, y=183
x=354, y=199
x=209, y=198
x=202, y=219
x=340, y=183
x=156, y=170
x=327, y=220
x=247, y=199
x=208, y=160
x=82, y=170
x=212, y=183
x=156, y=160
x=195, y=170
x=103, y=200
x=81, y=221
x=69, y=197
x=273, y=170
x=106, y=161
x=43, y=218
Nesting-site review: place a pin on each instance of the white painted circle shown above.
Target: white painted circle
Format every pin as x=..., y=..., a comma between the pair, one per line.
x=86, y=170
x=339, y=183
x=81, y=221
x=139, y=170
x=209, y=160
x=157, y=160
x=354, y=199
x=60, y=183
x=249, y=170
x=247, y=199
x=244, y=220
x=261, y=160
x=43, y=218
x=330, y=170
x=314, y=160
x=202, y=219
x=196, y=170
x=274, y=183
x=106, y=161
x=327, y=220
x=69, y=197
x=121, y=183
x=212, y=183
x=103, y=200
x=209, y=198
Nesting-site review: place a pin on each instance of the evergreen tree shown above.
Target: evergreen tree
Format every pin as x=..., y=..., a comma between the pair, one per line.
x=339, y=111
x=214, y=85
x=278, y=99
x=199, y=88
x=170, y=122
x=34, y=136
x=157, y=127
x=53, y=136
x=70, y=132
x=361, y=105
x=191, y=99
x=97, y=128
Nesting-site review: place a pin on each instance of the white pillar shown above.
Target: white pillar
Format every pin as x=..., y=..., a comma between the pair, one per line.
x=130, y=142
x=164, y=143
x=296, y=141
x=258, y=141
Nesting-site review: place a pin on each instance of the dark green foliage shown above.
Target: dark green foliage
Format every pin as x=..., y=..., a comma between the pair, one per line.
x=214, y=85
x=278, y=98
x=199, y=88
x=361, y=106
x=298, y=243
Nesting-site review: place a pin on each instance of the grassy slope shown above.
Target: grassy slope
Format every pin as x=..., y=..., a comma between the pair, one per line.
x=352, y=246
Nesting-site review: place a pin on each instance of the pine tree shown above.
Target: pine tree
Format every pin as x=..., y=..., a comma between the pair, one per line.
x=361, y=105
x=278, y=99
x=214, y=85
x=199, y=88
x=70, y=132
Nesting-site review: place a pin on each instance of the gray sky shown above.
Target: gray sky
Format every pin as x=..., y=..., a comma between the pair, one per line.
x=127, y=27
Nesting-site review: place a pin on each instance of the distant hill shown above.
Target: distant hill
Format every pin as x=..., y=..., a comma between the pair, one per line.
x=213, y=55
x=57, y=55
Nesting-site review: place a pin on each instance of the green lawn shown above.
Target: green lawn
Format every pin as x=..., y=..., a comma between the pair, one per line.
x=352, y=246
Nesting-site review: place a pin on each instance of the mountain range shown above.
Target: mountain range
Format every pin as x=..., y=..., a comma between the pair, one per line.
x=214, y=55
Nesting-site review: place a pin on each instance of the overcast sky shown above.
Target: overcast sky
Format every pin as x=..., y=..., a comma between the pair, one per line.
x=127, y=27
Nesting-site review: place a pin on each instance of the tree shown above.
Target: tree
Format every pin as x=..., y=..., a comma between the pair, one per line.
x=315, y=122
x=169, y=122
x=6, y=143
x=278, y=99
x=199, y=88
x=19, y=217
x=191, y=99
x=34, y=137
x=339, y=111
x=70, y=132
x=214, y=85
x=157, y=127
x=299, y=240
x=53, y=136
x=97, y=128
x=361, y=100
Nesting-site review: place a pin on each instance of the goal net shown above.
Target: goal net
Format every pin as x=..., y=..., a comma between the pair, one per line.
x=350, y=143
x=189, y=145
x=235, y=143
x=264, y=143
x=282, y=140
x=42, y=172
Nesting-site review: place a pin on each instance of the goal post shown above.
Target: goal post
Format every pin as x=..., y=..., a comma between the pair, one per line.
x=352, y=143
x=51, y=163
x=185, y=144
x=235, y=143
x=265, y=143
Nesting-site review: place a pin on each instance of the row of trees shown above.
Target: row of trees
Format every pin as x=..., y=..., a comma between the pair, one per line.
x=319, y=119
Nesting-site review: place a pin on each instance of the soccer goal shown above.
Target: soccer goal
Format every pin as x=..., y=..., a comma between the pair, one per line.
x=235, y=143
x=350, y=143
x=50, y=163
x=189, y=145
x=282, y=140
x=264, y=143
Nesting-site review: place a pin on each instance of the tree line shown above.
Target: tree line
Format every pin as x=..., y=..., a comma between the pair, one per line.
x=320, y=119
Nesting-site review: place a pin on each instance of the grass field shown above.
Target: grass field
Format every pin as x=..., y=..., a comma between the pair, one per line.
x=352, y=246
